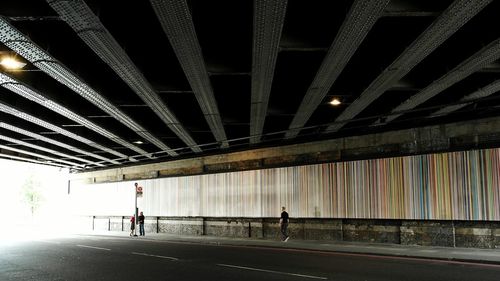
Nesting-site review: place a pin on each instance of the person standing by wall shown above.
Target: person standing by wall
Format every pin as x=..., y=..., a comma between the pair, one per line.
x=141, y=224
x=284, y=225
x=132, y=224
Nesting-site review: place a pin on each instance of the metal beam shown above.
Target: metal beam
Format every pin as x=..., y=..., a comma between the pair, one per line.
x=470, y=98
x=90, y=29
x=25, y=91
x=35, y=18
x=57, y=143
x=22, y=45
x=474, y=63
x=403, y=13
x=268, y=20
x=32, y=119
x=41, y=148
x=302, y=49
x=46, y=162
x=452, y=19
x=177, y=24
x=360, y=19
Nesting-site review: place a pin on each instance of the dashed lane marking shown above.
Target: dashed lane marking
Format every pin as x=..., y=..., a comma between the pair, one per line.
x=272, y=271
x=49, y=242
x=155, y=256
x=91, y=247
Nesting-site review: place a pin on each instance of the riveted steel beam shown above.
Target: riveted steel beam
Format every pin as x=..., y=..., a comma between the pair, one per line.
x=451, y=20
x=358, y=22
x=177, y=24
x=269, y=17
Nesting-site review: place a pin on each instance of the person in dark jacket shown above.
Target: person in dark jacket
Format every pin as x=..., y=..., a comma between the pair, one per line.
x=284, y=225
x=141, y=224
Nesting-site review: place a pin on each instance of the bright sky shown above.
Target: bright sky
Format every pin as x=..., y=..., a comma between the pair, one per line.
x=50, y=182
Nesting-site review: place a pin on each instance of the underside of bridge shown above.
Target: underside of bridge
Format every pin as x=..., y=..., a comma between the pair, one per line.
x=110, y=84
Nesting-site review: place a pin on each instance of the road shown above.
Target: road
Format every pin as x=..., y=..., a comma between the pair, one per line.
x=118, y=258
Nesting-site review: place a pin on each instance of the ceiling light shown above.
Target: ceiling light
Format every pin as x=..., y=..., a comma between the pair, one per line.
x=362, y=17
x=19, y=43
x=138, y=142
x=12, y=63
x=450, y=20
x=335, y=102
x=24, y=91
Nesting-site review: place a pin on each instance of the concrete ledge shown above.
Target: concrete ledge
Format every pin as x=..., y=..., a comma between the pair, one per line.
x=227, y=228
x=428, y=233
x=377, y=231
x=101, y=223
x=187, y=226
x=477, y=235
x=116, y=224
x=82, y=223
x=472, y=234
x=496, y=237
x=151, y=225
x=321, y=229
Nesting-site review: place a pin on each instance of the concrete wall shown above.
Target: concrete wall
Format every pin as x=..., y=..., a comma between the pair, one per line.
x=460, y=185
x=182, y=226
x=482, y=133
x=405, y=232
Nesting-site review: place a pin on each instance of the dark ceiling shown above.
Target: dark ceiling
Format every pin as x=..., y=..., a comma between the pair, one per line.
x=189, y=78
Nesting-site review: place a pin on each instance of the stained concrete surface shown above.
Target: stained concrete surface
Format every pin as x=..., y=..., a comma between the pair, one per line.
x=116, y=256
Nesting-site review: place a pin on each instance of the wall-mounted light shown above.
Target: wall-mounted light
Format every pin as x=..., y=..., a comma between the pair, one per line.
x=335, y=102
x=12, y=63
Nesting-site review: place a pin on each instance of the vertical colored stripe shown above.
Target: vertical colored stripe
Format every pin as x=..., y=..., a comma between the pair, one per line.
x=455, y=185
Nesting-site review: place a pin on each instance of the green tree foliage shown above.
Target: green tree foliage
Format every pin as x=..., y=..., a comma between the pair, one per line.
x=32, y=193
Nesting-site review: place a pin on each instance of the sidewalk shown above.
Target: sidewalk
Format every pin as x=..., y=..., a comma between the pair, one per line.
x=474, y=255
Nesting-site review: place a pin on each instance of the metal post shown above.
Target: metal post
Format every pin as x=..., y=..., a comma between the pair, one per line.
x=135, y=211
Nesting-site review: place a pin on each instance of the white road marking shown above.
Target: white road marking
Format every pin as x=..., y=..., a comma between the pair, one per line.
x=49, y=242
x=156, y=256
x=272, y=271
x=91, y=247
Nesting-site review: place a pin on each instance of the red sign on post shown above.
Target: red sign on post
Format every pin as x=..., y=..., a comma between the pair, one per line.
x=138, y=191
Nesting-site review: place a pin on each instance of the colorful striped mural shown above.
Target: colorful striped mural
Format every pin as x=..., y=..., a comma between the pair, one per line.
x=455, y=185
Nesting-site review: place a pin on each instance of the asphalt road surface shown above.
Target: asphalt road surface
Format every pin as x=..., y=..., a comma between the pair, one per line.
x=139, y=259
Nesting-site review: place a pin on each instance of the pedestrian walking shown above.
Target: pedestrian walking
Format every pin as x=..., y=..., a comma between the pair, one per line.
x=284, y=224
